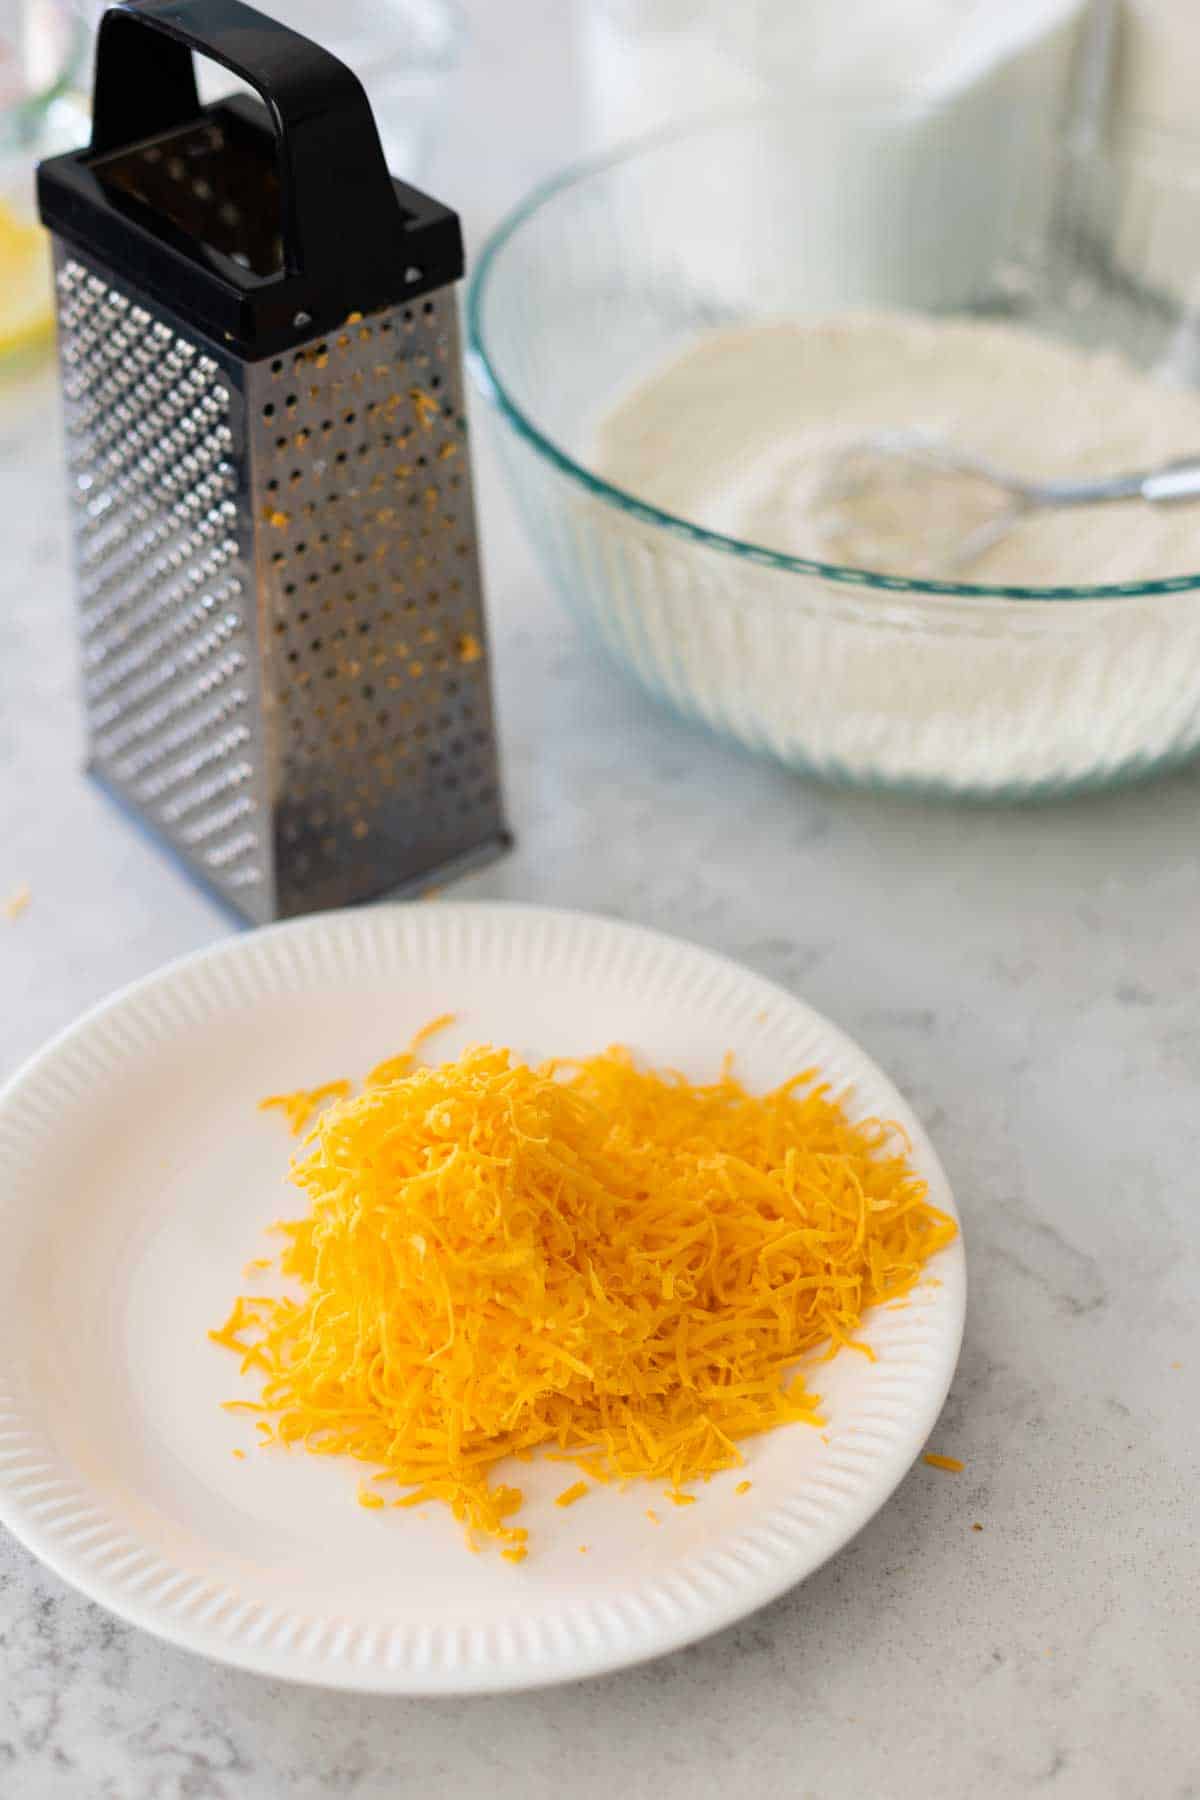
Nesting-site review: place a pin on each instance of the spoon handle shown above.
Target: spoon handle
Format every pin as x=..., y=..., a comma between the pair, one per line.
x=1178, y=480
x=1174, y=481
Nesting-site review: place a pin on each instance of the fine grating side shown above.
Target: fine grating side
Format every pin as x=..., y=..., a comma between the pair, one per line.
x=284, y=653
x=165, y=596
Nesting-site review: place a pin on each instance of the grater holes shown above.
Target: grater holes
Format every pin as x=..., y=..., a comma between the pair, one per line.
x=361, y=715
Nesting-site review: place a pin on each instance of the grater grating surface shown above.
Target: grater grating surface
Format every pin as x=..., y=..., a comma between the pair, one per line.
x=378, y=709
x=167, y=635
x=284, y=654
x=283, y=640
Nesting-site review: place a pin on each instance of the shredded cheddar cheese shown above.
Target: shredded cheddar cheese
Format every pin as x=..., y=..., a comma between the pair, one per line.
x=425, y=407
x=570, y=1495
x=598, y=1260
x=950, y=1463
x=298, y=1107
x=396, y=1067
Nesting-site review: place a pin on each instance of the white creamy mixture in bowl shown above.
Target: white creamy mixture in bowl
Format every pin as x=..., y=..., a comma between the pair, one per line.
x=678, y=340
x=740, y=432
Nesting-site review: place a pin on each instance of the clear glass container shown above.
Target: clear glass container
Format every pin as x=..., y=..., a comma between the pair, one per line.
x=943, y=686
x=1133, y=188
x=403, y=52
x=42, y=50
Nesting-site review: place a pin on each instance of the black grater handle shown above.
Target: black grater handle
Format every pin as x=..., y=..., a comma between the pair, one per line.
x=338, y=199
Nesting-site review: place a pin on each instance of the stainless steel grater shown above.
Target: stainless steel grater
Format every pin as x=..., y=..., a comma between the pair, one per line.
x=284, y=654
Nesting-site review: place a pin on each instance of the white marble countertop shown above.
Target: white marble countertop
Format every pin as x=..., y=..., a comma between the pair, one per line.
x=1030, y=977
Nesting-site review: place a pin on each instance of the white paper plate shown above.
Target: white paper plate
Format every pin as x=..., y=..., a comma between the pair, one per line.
x=136, y=1177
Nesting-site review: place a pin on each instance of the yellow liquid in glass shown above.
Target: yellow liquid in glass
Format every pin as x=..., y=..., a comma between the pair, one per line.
x=26, y=293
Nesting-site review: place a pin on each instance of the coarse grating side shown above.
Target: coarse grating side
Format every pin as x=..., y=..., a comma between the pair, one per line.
x=379, y=730
x=284, y=652
x=166, y=596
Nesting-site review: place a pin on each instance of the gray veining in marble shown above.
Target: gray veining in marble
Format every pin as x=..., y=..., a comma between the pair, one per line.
x=1031, y=978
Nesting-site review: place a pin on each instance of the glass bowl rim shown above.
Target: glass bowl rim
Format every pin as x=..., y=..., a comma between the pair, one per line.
x=488, y=380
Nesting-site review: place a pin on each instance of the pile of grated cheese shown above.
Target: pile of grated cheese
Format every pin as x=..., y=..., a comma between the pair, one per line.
x=592, y=1257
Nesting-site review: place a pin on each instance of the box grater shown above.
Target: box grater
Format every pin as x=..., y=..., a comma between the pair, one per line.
x=284, y=656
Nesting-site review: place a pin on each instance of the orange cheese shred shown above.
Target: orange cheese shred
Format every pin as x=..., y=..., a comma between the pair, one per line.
x=299, y=1106
x=570, y=1495
x=603, y=1263
x=949, y=1463
x=396, y=1067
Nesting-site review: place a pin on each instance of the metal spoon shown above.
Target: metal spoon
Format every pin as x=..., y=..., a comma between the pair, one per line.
x=850, y=476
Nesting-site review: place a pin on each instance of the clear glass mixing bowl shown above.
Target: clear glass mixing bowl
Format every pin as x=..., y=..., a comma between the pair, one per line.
x=940, y=686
